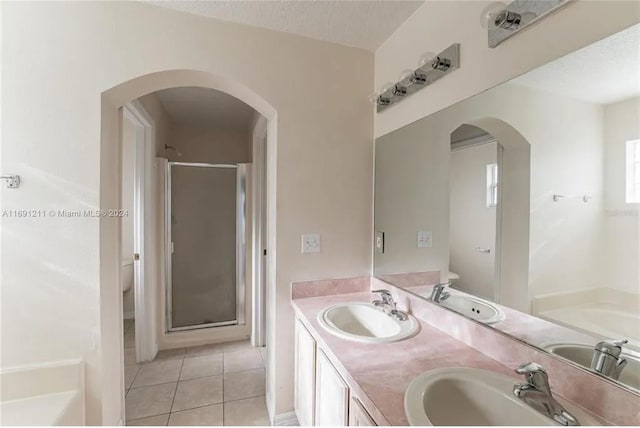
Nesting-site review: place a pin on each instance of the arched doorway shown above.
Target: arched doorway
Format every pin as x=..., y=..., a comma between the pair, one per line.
x=512, y=215
x=112, y=101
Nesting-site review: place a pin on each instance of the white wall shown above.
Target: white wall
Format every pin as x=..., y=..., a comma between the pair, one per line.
x=472, y=223
x=77, y=51
x=438, y=24
x=621, y=124
x=565, y=137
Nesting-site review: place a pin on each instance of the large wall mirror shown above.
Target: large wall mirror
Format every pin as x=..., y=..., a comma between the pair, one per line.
x=524, y=201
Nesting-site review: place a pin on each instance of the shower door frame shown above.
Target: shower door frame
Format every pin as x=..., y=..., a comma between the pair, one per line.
x=241, y=219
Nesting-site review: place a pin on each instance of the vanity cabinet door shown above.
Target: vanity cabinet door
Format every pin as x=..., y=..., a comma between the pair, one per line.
x=305, y=373
x=358, y=416
x=332, y=395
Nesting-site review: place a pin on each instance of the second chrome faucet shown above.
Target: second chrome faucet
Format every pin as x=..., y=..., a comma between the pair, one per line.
x=536, y=393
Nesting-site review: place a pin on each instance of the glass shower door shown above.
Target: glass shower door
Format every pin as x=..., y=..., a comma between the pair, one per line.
x=204, y=218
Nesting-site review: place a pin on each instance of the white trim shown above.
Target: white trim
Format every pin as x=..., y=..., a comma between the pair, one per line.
x=144, y=228
x=259, y=236
x=286, y=419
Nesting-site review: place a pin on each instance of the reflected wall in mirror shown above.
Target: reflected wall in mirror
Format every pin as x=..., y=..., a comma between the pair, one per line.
x=523, y=201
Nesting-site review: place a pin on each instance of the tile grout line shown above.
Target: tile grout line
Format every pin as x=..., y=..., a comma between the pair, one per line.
x=176, y=391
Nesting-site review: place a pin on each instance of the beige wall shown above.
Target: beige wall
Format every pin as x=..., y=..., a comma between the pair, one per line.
x=322, y=167
x=438, y=24
x=162, y=121
x=209, y=145
x=621, y=124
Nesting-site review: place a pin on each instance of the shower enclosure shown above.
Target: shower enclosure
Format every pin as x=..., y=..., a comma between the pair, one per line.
x=205, y=227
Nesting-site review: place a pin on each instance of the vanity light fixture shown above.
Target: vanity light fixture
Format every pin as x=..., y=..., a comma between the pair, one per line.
x=431, y=68
x=503, y=21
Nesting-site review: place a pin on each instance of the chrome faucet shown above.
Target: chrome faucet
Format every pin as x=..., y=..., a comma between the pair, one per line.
x=606, y=358
x=438, y=294
x=537, y=394
x=388, y=305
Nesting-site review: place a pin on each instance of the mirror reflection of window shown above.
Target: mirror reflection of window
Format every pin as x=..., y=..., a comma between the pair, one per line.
x=492, y=185
x=633, y=172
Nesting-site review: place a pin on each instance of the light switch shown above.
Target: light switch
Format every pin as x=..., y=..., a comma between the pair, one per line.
x=310, y=243
x=425, y=239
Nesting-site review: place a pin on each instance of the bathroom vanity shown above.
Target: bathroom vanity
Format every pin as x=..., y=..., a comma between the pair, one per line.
x=344, y=382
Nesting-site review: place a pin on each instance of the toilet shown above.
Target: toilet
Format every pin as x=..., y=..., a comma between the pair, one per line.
x=126, y=280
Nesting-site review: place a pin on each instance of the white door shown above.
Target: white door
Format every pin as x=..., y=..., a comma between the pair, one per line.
x=332, y=395
x=305, y=373
x=472, y=220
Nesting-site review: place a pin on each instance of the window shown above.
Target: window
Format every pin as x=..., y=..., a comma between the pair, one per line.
x=633, y=172
x=492, y=185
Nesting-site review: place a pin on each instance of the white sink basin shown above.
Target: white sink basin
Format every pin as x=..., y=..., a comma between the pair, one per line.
x=473, y=307
x=467, y=397
x=364, y=322
x=582, y=354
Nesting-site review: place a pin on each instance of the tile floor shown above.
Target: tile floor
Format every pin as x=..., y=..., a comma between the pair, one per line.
x=221, y=384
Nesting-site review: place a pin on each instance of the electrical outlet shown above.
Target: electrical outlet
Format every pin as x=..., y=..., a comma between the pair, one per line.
x=425, y=238
x=380, y=242
x=310, y=243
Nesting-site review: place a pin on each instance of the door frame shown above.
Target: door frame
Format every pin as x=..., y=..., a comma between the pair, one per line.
x=145, y=270
x=259, y=237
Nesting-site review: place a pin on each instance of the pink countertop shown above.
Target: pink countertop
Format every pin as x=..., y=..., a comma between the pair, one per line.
x=380, y=373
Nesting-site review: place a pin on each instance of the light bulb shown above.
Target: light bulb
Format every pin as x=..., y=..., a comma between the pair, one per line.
x=490, y=13
x=426, y=60
x=406, y=77
x=387, y=89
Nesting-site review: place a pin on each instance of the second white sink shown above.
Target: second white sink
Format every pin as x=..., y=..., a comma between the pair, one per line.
x=364, y=322
x=473, y=397
x=582, y=354
x=473, y=307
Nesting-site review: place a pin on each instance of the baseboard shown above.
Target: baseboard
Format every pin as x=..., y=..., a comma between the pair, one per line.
x=129, y=315
x=286, y=419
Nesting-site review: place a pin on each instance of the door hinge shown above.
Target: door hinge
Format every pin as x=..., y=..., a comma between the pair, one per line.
x=136, y=256
x=264, y=252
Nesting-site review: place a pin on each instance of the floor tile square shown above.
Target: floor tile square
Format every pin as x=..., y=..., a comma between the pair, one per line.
x=203, y=366
x=157, y=372
x=249, y=412
x=246, y=384
x=149, y=401
x=198, y=393
x=237, y=361
x=209, y=415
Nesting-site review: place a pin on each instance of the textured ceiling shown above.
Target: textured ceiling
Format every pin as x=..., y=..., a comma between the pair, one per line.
x=202, y=107
x=604, y=72
x=363, y=23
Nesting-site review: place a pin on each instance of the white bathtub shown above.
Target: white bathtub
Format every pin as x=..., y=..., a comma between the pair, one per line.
x=600, y=319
